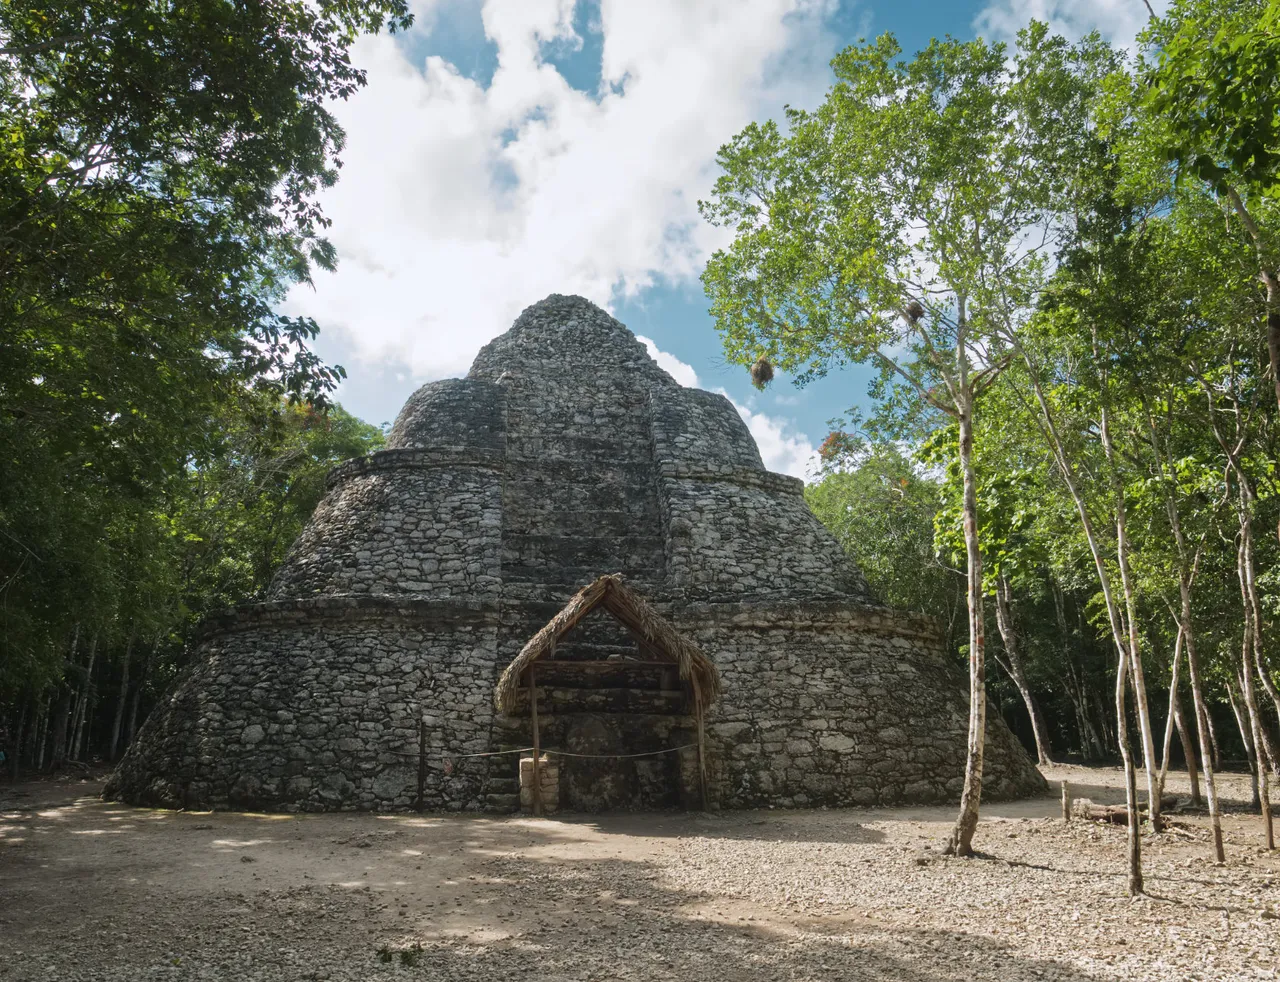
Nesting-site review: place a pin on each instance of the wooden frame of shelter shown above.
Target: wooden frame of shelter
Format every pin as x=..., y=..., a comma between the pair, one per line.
x=649, y=627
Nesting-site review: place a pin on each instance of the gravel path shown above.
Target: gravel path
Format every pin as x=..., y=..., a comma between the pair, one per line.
x=94, y=891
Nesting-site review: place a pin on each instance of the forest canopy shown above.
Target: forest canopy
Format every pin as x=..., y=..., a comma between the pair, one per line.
x=162, y=424
x=1064, y=263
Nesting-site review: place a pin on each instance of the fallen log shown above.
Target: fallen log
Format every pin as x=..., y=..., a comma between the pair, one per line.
x=1115, y=814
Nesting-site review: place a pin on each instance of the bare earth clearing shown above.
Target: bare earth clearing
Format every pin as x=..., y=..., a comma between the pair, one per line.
x=98, y=891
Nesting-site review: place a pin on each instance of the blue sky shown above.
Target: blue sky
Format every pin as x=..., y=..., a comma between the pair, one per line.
x=507, y=149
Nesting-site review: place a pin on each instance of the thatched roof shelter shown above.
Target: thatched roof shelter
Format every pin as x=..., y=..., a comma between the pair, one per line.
x=634, y=613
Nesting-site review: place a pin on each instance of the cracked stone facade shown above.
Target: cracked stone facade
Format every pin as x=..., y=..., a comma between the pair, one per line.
x=564, y=454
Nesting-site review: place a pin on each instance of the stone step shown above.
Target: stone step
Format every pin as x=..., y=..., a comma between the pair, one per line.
x=535, y=583
x=584, y=449
x=532, y=517
x=618, y=423
x=558, y=548
x=503, y=802
x=558, y=472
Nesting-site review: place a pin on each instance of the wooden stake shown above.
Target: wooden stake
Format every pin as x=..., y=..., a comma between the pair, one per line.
x=537, y=744
x=1066, y=802
x=422, y=764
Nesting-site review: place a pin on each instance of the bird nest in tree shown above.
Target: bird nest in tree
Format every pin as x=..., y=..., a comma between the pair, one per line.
x=761, y=372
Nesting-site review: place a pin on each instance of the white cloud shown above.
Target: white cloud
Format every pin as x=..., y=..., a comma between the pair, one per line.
x=681, y=371
x=460, y=204
x=782, y=448
x=1117, y=20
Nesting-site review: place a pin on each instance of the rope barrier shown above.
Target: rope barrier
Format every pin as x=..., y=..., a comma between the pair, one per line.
x=647, y=753
x=557, y=753
x=492, y=753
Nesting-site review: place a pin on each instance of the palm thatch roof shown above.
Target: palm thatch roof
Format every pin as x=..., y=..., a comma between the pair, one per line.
x=634, y=613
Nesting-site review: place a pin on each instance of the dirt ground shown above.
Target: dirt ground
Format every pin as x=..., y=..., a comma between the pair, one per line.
x=98, y=891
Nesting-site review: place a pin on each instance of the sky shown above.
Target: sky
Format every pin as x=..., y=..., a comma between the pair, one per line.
x=504, y=150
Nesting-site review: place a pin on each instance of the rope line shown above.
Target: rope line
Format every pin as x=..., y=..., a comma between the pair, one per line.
x=647, y=753
x=556, y=753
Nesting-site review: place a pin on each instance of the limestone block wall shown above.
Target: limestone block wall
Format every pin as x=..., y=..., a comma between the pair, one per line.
x=735, y=532
x=415, y=522
x=565, y=454
x=579, y=494
x=579, y=490
x=830, y=704
x=454, y=412
x=314, y=706
x=693, y=426
x=734, y=529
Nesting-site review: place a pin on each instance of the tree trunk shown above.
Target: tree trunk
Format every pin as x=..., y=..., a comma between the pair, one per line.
x=1118, y=634
x=1188, y=754
x=137, y=697
x=82, y=704
x=1169, y=716
x=1250, y=751
x=1186, y=576
x=1130, y=785
x=123, y=699
x=1260, y=665
x=16, y=747
x=1004, y=621
x=61, y=717
x=1213, y=741
x=1207, y=759
x=1260, y=769
x=1131, y=615
x=961, y=842
x=1272, y=284
x=37, y=764
x=86, y=737
x=1253, y=610
x=1252, y=637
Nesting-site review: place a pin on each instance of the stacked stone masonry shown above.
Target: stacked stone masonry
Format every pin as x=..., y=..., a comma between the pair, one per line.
x=565, y=454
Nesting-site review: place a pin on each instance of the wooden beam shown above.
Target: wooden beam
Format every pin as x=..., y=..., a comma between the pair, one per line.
x=702, y=758
x=537, y=743
x=422, y=762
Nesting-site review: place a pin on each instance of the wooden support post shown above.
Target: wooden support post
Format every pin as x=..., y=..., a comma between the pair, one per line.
x=422, y=763
x=1066, y=802
x=702, y=759
x=537, y=743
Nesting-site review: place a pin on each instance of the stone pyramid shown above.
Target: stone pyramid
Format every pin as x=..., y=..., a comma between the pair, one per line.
x=566, y=453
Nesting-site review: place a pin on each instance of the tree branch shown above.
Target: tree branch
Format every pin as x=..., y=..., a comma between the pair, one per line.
x=34, y=49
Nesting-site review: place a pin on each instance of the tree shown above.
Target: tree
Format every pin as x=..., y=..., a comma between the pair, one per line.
x=159, y=163
x=905, y=215
x=881, y=508
x=1213, y=108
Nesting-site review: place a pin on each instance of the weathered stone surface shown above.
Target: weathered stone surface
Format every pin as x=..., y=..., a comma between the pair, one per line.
x=566, y=453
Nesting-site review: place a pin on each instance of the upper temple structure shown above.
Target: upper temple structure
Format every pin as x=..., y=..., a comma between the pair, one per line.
x=565, y=548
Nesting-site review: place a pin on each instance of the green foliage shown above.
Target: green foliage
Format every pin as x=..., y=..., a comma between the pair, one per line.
x=881, y=508
x=1030, y=209
x=159, y=164
x=906, y=214
x=149, y=566
x=1214, y=89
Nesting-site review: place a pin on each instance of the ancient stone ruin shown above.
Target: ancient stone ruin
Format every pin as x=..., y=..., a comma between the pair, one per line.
x=566, y=454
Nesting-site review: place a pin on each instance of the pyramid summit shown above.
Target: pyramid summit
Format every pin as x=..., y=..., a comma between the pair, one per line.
x=564, y=457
